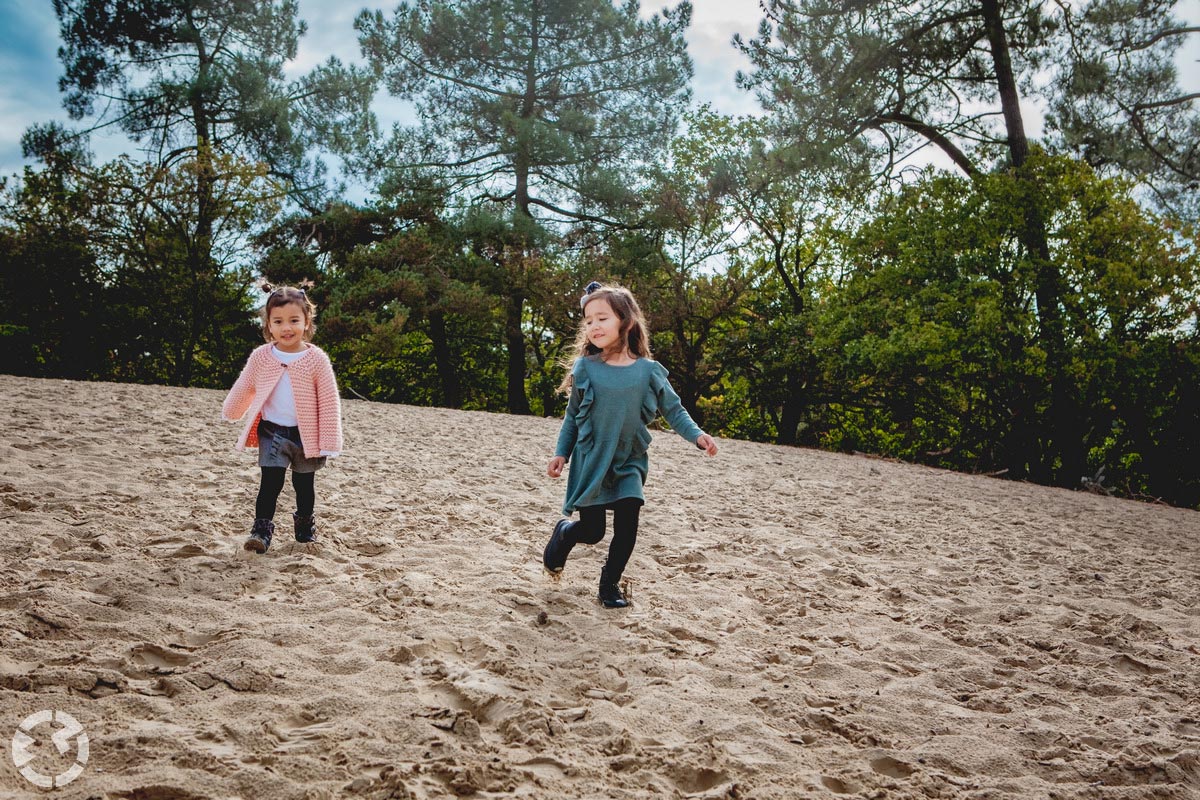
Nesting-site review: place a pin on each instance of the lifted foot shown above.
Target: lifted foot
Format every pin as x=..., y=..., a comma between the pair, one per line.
x=554, y=557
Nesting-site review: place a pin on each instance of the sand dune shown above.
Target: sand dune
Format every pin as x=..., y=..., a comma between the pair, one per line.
x=805, y=624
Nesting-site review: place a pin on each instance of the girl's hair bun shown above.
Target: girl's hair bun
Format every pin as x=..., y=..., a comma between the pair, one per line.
x=267, y=288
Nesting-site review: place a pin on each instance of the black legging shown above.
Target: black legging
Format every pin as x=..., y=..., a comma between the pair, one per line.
x=590, y=530
x=272, y=485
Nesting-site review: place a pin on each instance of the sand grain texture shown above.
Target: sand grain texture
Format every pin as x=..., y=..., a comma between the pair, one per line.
x=805, y=624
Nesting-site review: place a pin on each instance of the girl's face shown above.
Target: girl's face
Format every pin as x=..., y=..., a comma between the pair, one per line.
x=603, y=326
x=287, y=325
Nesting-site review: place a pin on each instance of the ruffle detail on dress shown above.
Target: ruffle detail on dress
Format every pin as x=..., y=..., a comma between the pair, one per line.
x=642, y=445
x=658, y=379
x=583, y=416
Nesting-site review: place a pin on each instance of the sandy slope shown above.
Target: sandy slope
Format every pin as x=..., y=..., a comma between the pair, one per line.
x=804, y=624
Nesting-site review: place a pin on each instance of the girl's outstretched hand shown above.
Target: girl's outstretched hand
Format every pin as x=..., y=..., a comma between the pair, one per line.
x=708, y=444
x=555, y=467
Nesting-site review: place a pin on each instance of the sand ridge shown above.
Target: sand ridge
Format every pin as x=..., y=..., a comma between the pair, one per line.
x=805, y=624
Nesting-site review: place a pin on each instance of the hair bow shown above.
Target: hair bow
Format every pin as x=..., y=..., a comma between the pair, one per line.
x=587, y=291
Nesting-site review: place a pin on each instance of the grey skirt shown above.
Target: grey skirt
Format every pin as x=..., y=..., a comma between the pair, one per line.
x=280, y=446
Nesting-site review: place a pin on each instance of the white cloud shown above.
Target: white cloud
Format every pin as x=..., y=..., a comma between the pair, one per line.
x=716, y=61
x=330, y=33
x=716, y=64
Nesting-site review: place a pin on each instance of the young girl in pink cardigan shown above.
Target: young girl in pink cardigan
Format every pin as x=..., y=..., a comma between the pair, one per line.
x=295, y=415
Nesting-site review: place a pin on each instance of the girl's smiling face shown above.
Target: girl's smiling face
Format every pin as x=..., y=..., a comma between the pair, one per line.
x=287, y=324
x=603, y=326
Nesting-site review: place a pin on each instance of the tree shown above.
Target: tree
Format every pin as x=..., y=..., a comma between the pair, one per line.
x=793, y=203
x=406, y=322
x=893, y=76
x=96, y=277
x=934, y=335
x=195, y=80
x=929, y=341
x=543, y=107
x=53, y=299
x=143, y=227
x=1122, y=108
x=694, y=292
x=406, y=292
x=185, y=77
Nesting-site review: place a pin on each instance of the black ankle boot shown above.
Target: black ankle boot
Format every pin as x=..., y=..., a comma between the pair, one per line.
x=260, y=536
x=306, y=528
x=610, y=593
x=554, y=557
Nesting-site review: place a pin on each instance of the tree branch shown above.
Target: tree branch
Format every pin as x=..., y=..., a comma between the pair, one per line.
x=1173, y=101
x=580, y=216
x=932, y=134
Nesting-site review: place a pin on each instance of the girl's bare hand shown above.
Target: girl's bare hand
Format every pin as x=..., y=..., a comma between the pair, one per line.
x=555, y=467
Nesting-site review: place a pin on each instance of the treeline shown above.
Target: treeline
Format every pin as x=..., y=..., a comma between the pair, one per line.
x=1028, y=311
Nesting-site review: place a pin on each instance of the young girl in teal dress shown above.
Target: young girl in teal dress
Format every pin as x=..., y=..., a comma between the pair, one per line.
x=615, y=390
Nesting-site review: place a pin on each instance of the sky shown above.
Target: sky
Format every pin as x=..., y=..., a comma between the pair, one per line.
x=29, y=66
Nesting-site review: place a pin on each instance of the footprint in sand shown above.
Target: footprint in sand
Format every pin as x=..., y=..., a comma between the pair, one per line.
x=299, y=732
x=1128, y=665
x=546, y=768
x=886, y=765
x=836, y=785
x=158, y=658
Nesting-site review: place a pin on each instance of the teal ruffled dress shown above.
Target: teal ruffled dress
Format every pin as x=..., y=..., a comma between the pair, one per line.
x=603, y=434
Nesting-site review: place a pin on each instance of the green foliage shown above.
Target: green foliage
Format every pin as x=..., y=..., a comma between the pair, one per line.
x=1119, y=102
x=543, y=106
x=98, y=266
x=200, y=85
x=932, y=326
x=769, y=357
x=181, y=298
x=684, y=265
x=1148, y=410
x=879, y=79
x=689, y=313
x=180, y=76
x=933, y=341
x=736, y=412
x=876, y=81
x=53, y=300
x=403, y=307
x=543, y=109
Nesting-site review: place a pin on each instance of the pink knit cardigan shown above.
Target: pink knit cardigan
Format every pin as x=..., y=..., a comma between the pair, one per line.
x=318, y=407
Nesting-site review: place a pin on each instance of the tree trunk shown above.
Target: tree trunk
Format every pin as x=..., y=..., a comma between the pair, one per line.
x=792, y=411
x=443, y=359
x=514, y=311
x=514, y=338
x=795, y=400
x=200, y=262
x=1062, y=459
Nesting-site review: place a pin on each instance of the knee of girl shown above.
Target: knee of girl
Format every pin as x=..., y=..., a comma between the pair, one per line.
x=585, y=534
